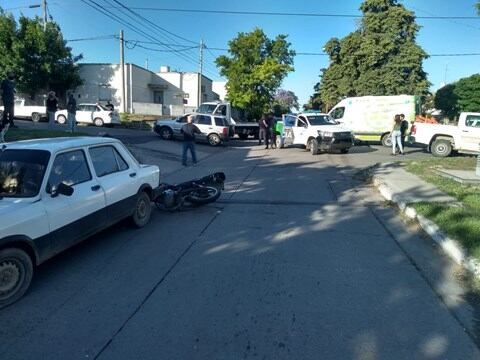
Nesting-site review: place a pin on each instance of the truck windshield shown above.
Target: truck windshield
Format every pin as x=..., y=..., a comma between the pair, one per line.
x=321, y=120
x=21, y=172
x=207, y=108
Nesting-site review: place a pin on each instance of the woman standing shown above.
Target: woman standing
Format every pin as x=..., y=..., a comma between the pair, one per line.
x=397, y=135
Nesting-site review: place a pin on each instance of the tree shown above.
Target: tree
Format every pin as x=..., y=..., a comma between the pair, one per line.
x=380, y=58
x=40, y=58
x=284, y=101
x=478, y=7
x=315, y=101
x=464, y=95
x=447, y=101
x=467, y=91
x=255, y=69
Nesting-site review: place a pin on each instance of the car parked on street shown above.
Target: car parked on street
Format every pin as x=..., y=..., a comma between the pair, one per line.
x=215, y=129
x=55, y=193
x=90, y=114
x=316, y=131
x=26, y=109
x=441, y=140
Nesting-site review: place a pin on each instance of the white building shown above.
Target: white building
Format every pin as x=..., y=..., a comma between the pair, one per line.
x=220, y=87
x=146, y=92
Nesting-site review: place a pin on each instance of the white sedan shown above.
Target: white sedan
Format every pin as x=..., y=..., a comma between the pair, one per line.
x=90, y=114
x=56, y=192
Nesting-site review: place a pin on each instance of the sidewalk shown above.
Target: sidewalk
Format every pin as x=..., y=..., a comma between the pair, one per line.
x=402, y=188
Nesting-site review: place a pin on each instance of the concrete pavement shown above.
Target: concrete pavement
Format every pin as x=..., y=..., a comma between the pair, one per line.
x=297, y=261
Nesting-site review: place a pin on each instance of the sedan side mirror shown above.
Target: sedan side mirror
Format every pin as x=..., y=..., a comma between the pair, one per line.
x=63, y=189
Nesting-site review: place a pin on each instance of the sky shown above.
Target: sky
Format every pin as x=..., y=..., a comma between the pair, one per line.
x=306, y=34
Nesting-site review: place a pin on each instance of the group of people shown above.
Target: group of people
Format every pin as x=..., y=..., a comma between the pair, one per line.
x=267, y=132
x=51, y=105
x=398, y=133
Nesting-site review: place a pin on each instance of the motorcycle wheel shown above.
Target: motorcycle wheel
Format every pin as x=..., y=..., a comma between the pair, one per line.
x=204, y=195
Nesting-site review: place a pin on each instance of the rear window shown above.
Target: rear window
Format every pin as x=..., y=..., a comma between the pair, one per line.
x=203, y=120
x=220, y=121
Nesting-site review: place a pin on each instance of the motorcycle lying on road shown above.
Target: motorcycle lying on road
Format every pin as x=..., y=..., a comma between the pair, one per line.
x=190, y=193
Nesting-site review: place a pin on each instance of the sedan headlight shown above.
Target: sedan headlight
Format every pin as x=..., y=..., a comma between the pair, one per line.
x=327, y=134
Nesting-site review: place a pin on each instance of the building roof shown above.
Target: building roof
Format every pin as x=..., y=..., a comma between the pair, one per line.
x=58, y=144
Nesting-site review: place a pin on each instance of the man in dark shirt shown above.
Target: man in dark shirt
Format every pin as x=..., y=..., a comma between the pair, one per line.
x=109, y=106
x=71, y=112
x=52, y=106
x=8, y=96
x=189, y=130
x=403, y=129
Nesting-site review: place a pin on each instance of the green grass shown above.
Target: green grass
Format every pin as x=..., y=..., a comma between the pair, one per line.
x=27, y=134
x=460, y=223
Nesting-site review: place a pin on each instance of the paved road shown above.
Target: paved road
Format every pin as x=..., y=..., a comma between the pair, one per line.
x=296, y=261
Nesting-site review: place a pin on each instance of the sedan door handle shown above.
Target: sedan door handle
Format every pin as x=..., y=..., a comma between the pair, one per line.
x=95, y=187
x=133, y=175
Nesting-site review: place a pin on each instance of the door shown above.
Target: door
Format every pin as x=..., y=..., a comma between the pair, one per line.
x=300, y=131
x=177, y=125
x=204, y=123
x=471, y=133
x=118, y=178
x=74, y=217
x=158, y=97
x=83, y=115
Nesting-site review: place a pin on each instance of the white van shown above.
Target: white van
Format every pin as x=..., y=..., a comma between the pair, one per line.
x=371, y=117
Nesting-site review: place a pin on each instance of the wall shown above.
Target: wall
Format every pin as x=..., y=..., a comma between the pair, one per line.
x=220, y=88
x=101, y=82
x=147, y=108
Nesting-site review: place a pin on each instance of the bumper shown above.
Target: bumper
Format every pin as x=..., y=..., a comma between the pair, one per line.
x=332, y=144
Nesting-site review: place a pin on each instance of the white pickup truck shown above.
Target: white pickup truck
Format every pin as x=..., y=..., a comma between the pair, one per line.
x=23, y=109
x=443, y=139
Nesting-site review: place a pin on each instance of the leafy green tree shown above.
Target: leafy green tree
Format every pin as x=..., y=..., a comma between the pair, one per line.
x=40, y=58
x=380, y=58
x=478, y=7
x=255, y=69
x=315, y=101
x=447, y=101
x=467, y=90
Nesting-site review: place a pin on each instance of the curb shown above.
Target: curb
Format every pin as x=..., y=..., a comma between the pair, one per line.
x=450, y=247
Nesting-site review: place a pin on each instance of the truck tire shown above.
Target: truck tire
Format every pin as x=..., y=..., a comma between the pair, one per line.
x=441, y=148
x=16, y=272
x=313, y=146
x=36, y=117
x=387, y=140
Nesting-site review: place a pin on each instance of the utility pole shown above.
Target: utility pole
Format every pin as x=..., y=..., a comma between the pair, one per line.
x=146, y=63
x=122, y=71
x=200, y=74
x=44, y=7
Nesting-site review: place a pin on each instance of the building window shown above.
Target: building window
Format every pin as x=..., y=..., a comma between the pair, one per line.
x=158, y=97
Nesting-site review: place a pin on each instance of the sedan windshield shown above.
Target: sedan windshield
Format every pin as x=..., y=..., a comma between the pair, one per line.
x=21, y=172
x=321, y=120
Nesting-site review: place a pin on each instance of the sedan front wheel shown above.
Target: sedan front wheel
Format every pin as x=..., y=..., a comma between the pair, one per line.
x=16, y=272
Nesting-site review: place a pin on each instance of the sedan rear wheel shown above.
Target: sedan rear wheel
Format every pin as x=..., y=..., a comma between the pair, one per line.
x=98, y=122
x=16, y=272
x=61, y=119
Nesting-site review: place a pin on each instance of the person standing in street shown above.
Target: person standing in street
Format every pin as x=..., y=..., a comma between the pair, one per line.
x=396, y=135
x=71, y=112
x=403, y=129
x=52, y=107
x=261, y=131
x=189, y=130
x=266, y=123
x=7, y=88
x=273, y=131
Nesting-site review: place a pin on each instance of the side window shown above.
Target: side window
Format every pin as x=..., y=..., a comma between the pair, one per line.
x=338, y=113
x=182, y=119
x=289, y=121
x=81, y=107
x=70, y=168
x=106, y=160
x=220, y=121
x=301, y=122
x=221, y=110
x=203, y=120
x=473, y=121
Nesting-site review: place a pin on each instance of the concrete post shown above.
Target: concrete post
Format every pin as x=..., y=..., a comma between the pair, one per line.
x=478, y=162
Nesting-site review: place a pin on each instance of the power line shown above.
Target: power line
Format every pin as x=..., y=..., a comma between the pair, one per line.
x=104, y=37
x=270, y=13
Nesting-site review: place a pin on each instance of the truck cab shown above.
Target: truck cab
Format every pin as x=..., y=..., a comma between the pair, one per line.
x=315, y=131
x=441, y=140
